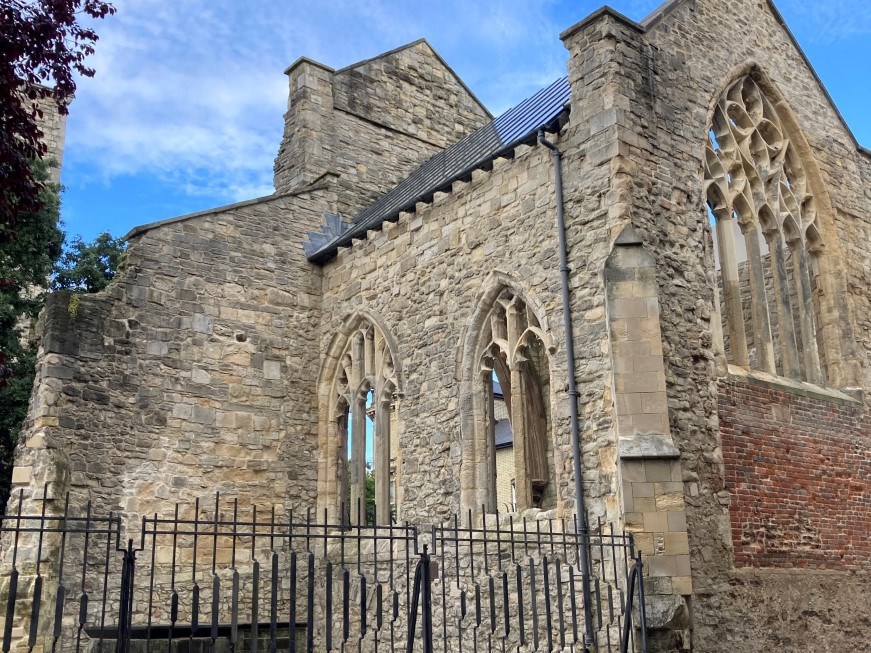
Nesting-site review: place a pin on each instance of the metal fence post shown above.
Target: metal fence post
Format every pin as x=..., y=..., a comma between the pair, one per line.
x=421, y=595
x=426, y=623
x=125, y=608
x=642, y=612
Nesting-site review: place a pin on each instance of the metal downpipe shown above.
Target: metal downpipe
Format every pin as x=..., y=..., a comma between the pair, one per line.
x=583, y=526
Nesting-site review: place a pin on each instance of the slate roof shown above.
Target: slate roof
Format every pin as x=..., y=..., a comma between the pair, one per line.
x=503, y=437
x=519, y=125
x=497, y=388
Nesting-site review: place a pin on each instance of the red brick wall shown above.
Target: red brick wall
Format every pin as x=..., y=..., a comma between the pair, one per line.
x=798, y=470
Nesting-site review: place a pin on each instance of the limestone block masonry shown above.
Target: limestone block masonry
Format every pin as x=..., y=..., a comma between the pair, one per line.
x=214, y=361
x=181, y=379
x=367, y=126
x=54, y=128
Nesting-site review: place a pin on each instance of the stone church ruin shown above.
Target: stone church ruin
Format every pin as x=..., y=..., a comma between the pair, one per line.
x=401, y=293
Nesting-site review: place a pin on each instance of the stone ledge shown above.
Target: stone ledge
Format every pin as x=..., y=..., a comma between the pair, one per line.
x=650, y=445
x=791, y=573
x=302, y=60
x=305, y=188
x=801, y=388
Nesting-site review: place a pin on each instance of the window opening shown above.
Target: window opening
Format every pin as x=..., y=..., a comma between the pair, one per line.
x=515, y=376
x=765, y=238
x=366, y=469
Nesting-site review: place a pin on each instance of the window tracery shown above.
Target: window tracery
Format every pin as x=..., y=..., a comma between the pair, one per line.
x=360, y=440
x=767, y=240
x=513, y=352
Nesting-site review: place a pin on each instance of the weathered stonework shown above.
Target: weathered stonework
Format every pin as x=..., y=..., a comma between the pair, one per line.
x=53, y=125
x=365, y=127
x=212, y=363
x=181, y=373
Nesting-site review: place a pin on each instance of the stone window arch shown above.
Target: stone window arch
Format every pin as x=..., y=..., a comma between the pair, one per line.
x=508, y=347
x=768, y=245
x=360, y=388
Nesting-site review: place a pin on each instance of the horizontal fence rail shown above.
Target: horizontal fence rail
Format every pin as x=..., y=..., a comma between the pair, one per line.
x=222, y=578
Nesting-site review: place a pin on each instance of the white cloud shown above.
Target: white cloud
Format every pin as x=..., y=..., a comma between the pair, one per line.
x=827, y=22
x=193, y=92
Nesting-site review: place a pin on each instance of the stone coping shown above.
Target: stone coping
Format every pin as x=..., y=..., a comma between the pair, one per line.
x=141, y=229
x=312, y=62
x=738, y=374
x=593, y=17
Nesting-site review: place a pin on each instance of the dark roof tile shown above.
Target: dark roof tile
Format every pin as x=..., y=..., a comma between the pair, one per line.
x=514, y=127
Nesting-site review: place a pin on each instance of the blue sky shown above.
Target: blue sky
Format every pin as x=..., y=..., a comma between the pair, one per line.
x=185, y=111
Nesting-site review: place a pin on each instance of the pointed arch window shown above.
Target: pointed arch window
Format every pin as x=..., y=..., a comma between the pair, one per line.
x=763, y=216
x=363, y=396
x=513, y=353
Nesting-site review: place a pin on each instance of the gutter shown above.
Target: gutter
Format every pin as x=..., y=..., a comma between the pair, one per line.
x=582, y=524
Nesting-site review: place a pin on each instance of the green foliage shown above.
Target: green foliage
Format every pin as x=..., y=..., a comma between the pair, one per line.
x=88, y=267
x=41, y=41
x=14, y=397
x=370, y=494
x=28, y=246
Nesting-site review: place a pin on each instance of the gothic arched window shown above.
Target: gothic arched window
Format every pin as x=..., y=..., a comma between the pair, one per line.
x=513, y=353
x=359, y=439
x=763, y=213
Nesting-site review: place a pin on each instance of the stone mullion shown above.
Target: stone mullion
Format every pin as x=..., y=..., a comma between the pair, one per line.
x=358, y=460
x=394, y=455
x=358, y=432
x=490, y=439
x=512, y=319
x=497, y=326
x=837, y=357
x=342, y=471
x=382, y=460
x=369, y=353
x=523, y=489
x=813, y=372
x=732, y=293
x=785, y=322
x=717, y=326
x=758, y=302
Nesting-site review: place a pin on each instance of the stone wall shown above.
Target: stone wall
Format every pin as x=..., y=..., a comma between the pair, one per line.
x=208, y=364
x=185, y=376
x=855, y=235
x=673, y=73
x=504, y=478
x=410, y=90
x=367, y=126
x=54, y=128
x=770, y=610
x=426, y=277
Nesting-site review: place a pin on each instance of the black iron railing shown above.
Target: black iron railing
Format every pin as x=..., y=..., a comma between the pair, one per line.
x=508, y=583
x=229, y=577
